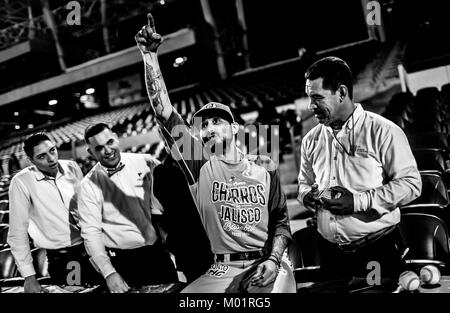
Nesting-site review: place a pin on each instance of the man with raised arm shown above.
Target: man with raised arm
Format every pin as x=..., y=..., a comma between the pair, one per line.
x=239, y=197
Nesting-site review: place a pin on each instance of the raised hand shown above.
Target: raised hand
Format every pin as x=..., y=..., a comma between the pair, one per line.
x=147, y=39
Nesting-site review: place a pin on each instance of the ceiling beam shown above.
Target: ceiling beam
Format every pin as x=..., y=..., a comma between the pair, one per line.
x=93, y=68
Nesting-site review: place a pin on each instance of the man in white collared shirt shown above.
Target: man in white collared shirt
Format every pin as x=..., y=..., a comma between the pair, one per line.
x=117, y=215
x=42, y=200
x=364, y=169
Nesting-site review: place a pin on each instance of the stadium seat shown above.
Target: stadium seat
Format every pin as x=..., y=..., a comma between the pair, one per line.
x=8, y=268
x=4, y=205
x=304, y=254
x=427, y=96
x=430, y=160
x=445, y=94
x=433, y=200
x=397, y=118
x=434, y=191
x=3, y=235
x=4, y=217
x=40, y=262
x=427, y=238
x=430, y=140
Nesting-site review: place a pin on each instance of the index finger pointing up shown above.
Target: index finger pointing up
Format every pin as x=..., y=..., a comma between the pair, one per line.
x=151, y=21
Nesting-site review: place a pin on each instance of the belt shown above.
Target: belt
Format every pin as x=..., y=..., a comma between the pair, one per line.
x=240, y=256
x=113, y=252
x=367, y=240
x=66, y=250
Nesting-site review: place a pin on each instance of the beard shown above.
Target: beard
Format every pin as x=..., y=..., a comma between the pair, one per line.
x=218, y=147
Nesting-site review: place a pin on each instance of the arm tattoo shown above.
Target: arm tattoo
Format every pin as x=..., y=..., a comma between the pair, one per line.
x=156, y=87
x=279, y=245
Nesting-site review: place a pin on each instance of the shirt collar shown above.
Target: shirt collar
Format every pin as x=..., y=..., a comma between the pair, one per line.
x=350, y=122
x=41, y=176
x=119, y=166
x=241, y=157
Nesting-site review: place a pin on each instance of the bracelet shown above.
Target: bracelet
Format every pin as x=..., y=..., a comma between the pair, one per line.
x=274, y=259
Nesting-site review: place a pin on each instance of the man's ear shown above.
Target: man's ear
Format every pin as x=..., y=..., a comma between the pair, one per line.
x=89, y=151
x=235, y=128
x=343, y=92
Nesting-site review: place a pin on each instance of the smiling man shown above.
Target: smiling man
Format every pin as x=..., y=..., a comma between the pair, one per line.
x=42, y=200
x=362, y=165
x=117, y=215
x=239, y=197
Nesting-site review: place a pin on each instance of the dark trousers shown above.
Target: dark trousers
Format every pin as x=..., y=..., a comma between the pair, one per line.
x=71, y=266
x=148, y=265
x=387, y=251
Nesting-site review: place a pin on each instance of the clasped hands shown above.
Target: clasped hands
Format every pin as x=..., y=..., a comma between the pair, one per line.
x=342, y=203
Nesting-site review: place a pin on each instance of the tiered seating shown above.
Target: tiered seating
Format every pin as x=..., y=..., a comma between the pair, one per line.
x=427, y=238
x=3, y=235
x=8, y=268
x=425, y=118
x=131, y=120
x=304, y=254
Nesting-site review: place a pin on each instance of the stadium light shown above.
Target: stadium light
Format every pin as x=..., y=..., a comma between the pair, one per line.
x=30, y=125
x=179, y=61
x=162, y=2
x=16, y=113
x=17, y=127
x=53, y=102
x=90, y=91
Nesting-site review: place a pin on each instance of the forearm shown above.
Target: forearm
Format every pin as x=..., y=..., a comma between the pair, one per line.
x=303, y=190
x=156, y=87
x=306, y=176
x=99, y=258
x=18, y=238
x=279, y=244
x=386, y=198
x=90, y=212
x=20, y=249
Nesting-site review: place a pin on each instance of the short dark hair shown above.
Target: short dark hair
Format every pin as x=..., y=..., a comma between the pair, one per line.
x=32, y=141
x=93, y=130
x=334, y=71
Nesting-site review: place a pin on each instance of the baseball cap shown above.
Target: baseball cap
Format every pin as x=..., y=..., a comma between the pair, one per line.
x=214, y=109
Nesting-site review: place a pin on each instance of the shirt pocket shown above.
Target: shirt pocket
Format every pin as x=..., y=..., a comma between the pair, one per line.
x=363, y=171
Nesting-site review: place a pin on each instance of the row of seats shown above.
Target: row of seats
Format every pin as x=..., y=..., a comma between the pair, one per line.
x=426, y=112
x=9, y=273
x=74, y=132
x=425, y=118
x=425, y=235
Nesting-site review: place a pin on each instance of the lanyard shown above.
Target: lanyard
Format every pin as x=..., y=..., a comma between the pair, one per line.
x=352, y=145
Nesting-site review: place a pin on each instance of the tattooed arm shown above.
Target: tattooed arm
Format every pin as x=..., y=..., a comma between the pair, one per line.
x=148, y=42
x=188, y=150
